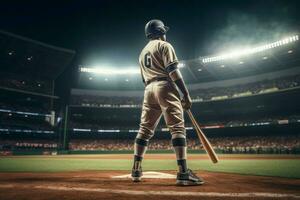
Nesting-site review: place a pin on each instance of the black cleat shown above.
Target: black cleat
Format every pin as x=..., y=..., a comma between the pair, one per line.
x=136, y=175
x=188, y=178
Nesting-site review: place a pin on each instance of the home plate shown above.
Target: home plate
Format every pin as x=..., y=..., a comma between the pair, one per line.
x=158, y=175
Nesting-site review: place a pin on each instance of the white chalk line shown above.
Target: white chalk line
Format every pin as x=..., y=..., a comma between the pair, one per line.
x=149, y=174
x=161, y=193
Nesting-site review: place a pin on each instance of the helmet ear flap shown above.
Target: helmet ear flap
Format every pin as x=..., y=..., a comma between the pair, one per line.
x=166, y=28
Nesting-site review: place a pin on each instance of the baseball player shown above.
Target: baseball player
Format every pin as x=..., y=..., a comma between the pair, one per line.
x=160, y=74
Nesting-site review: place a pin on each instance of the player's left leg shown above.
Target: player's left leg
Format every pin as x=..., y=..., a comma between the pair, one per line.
x=170, y=103
x=150, y=117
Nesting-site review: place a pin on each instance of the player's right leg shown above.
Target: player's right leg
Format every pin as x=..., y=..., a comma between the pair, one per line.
x=151, y=114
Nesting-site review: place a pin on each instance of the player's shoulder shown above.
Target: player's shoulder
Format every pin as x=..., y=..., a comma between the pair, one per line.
x=165, y=45
x=143, y=51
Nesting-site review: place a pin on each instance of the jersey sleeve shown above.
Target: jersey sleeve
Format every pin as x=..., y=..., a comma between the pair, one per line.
x=168, y=55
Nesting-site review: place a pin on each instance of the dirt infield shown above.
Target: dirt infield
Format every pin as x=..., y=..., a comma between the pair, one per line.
x=89, y=185
x=100, y=185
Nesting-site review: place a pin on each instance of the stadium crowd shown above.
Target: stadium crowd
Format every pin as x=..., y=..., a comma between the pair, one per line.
x=24, y=123
x=35, y=145
x=231, y=145
x=27, y=144
x=101, y=101
x=248, y=144
x=197, y=95
x=26, y=84
x=33, y=108
x=204, y=124
x=250, y=88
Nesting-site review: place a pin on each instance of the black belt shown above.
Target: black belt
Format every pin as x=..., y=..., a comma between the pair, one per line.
x=158, y=79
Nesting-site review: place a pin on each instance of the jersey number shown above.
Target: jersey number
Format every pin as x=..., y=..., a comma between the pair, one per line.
x=148, y=60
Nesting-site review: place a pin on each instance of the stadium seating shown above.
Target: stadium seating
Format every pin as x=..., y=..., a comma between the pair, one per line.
x=271, y=144
x=198, y=95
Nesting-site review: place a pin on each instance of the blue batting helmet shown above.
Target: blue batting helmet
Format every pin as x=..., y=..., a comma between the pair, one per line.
x=155, y=28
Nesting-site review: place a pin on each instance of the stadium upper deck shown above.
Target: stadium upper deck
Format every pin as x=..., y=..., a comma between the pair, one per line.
x=272, y=56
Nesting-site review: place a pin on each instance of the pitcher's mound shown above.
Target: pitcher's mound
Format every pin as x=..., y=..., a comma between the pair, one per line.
x=158, y=175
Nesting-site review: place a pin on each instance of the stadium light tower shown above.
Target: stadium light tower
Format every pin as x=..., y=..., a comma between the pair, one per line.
x=110, y=71
x=116, y=71
x=244, y=52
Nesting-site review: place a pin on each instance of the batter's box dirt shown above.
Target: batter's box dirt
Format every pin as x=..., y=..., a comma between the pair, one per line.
x=99, y=185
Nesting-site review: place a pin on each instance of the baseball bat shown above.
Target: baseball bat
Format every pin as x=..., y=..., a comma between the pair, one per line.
x=206, y=144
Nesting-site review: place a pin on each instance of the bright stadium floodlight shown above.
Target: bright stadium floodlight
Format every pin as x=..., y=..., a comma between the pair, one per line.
x=110, y=71
x=181, y=65
x=108, y=131
x=82, y=129
x=249, y=51
x=116, y=71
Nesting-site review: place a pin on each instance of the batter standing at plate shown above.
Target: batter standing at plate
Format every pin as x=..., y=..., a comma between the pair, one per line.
x=160, y=74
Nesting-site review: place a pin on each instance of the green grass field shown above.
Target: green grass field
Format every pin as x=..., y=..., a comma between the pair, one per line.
x=289, y=168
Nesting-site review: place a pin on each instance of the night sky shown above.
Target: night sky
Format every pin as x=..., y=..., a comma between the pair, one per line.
x=112, y=32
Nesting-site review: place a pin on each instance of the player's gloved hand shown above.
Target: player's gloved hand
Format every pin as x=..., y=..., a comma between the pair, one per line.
x=186, y=102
